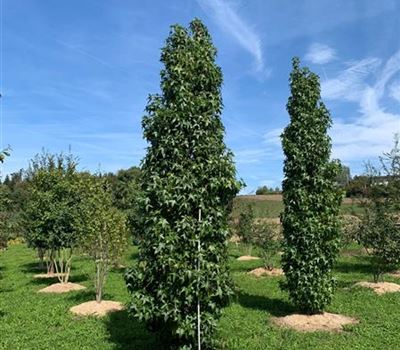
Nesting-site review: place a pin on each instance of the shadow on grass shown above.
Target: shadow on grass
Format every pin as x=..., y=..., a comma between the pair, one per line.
x=32, y=267
x=83, y=296
x=344, y=284
x=52, y=280
x=127, y=333
x=361, y=266
x=275, y=307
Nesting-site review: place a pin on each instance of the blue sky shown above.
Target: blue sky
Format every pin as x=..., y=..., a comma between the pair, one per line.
x=79, y=72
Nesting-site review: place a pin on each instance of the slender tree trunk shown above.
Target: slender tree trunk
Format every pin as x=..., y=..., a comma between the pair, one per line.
x=101, y=272
x=41, y=253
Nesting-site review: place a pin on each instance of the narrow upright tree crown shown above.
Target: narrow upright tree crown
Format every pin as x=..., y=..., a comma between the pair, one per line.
x=187, y=173
x=310, y=195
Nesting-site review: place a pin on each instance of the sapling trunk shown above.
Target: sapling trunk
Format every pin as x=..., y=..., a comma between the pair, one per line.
x=50, y=261
x=101, y=273
x=41, y=254
x=63, y=265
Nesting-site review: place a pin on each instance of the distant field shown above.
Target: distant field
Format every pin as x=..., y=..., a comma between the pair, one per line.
x=270, y=206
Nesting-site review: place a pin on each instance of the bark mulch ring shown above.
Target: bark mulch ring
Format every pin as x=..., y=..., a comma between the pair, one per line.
x=380, y=287
x=49, y=275
x=247, y=258
x=311, y=323
x=262, y=271
x=395, y=274
x=61, y=288
x=93, y=308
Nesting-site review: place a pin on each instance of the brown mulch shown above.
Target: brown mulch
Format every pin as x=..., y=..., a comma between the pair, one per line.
x=93, y=308
x=311, y=323
x=247, y=258
x=380, y=287
x=395, y=274
x=61, y=288
x=262, y=271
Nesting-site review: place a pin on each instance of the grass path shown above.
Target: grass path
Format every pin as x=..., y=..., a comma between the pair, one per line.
x=31, y=321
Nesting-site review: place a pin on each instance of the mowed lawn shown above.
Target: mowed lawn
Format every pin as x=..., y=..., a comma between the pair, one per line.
x=29, y=320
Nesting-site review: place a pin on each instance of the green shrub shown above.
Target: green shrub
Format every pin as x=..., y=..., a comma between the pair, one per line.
x=245, y=227
x=379, y=231
x=52, y=217
x=269, y=242
x=105, y=239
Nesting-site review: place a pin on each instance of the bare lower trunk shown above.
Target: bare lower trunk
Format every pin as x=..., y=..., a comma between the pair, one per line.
x=101, y=273
x=49, y=259
x=41, y=254
x=62, y=263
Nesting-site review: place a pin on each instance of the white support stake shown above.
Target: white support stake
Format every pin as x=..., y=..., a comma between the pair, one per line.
x=198, y=286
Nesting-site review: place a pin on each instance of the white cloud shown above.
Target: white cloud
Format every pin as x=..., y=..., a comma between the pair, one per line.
x=350, y=83
x=320, y=54
x=230, y=21
x=395, y=91
x=373, y=130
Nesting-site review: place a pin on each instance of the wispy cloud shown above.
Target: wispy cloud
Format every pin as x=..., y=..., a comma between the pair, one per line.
x=372, y=131
x=230, y=21
x=395, y=90
x=320, y=54
x=350, y=83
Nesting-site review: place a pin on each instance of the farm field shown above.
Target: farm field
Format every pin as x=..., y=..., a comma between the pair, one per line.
x=270, y=206
x=29, y=320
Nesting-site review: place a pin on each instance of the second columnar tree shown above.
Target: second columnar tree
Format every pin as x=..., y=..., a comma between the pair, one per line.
x=310, y=196
x=188, y=185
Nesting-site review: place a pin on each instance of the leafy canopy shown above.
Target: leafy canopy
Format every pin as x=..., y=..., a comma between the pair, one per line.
x=187, y=169
x=311, y=199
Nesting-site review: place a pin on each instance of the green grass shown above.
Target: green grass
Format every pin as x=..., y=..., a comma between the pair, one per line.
x=36, y=321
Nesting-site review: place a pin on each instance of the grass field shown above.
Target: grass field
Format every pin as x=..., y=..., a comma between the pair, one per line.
x=31, y=321
x=271, y=206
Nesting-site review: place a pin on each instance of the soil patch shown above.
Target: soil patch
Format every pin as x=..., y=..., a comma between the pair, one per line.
x=61, y=288
x=380, y=287
x=93, y=308
x=247, y=258
x=48, y=275
x=311, y=323
x=262, y=271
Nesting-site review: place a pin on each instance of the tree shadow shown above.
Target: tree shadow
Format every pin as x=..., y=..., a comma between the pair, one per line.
x=32, y=267
x=354, y=267
x=340, y=284
x=83, y=296
x=274, y=306
x=127, y=333
x=52, y=280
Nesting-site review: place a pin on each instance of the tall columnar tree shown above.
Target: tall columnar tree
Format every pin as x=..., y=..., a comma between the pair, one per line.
x=187, y=188
x=311, y=198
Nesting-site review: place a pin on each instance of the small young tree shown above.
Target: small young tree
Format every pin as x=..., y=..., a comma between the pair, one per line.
x=246, y=227
x=379, y=231
x=52, y=218
x=105, y=239
x=268, y=242
x=311, y=199
x=188, y=184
